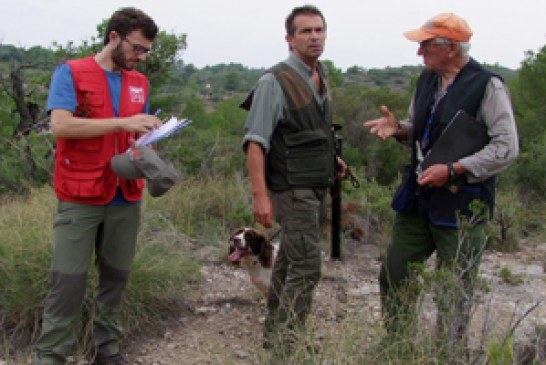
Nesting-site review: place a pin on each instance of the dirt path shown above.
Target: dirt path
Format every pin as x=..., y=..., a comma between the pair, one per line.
x=226, y=315
x=225, y=325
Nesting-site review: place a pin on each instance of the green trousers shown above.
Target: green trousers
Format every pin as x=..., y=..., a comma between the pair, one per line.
x=414, y=240
x=79, y=231
x=296, y=271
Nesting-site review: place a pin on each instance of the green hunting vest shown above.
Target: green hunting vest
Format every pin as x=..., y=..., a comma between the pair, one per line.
x=302, y=150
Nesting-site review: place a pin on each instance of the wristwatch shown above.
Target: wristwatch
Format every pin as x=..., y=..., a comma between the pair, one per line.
x=452, y=174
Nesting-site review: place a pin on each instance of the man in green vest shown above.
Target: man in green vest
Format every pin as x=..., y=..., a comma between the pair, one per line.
x=431, y=198
x=291, y=163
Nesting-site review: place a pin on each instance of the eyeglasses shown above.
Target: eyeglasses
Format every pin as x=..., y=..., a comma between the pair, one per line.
x=429, y=43
x=138, y=48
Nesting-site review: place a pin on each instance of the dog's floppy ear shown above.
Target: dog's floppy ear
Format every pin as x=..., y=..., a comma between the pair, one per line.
x=235, y=234
x=255, y=240
x=231, y=246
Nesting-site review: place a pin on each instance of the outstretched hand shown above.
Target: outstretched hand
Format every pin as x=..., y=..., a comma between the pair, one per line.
x=385, y=126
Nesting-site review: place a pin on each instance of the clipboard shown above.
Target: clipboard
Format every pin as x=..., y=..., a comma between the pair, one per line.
x=168, y=128
x=463, y=136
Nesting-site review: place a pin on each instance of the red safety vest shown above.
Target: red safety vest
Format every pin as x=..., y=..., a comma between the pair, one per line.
x=82, y=166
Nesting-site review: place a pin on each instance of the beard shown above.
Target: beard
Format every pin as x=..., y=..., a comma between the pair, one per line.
x=119, y=59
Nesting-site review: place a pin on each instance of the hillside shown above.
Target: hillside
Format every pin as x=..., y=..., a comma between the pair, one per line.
x=224, y=80
x=217, y=82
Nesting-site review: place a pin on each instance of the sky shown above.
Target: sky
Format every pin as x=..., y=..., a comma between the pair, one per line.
x=251, y=32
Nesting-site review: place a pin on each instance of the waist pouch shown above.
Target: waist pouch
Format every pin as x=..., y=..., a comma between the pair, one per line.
x=405, y=197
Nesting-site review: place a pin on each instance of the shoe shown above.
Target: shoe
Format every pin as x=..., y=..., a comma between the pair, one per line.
x=115, y=359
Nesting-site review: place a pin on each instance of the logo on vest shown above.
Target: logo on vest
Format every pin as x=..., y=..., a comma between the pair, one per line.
x=137, y=94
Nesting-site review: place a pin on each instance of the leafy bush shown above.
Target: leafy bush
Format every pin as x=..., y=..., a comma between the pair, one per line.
x=209, y=207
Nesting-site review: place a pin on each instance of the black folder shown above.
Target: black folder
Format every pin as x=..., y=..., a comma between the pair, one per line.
x=463, y=136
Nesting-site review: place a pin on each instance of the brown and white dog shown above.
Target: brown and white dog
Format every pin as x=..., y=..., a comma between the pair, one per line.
x=256, y=254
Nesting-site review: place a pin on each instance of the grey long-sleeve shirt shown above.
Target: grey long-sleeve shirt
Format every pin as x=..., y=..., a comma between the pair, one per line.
x=496, y=111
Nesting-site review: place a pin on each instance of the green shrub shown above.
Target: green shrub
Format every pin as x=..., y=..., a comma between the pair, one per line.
x=209, y=207
x=509, y=277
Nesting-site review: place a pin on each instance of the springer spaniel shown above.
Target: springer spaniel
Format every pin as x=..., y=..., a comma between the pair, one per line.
x=256, y=254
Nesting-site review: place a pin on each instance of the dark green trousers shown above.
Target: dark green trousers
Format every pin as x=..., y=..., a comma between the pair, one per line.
x=414, y=240
x=296, y=271
x=79, y=231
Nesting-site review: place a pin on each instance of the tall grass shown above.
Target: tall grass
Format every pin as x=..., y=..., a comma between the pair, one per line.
x=199, y=211
x=25, y=231
x=207, y=207
x=162, y=274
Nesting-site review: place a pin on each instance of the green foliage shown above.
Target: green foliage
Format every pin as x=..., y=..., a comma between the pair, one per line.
x=195, y=110
x=24, y=248
x=161, y=277
x=509, y=277
x=354, y=105
x=36, y=54
x=232, y=81
x=159, y=64
x=9, y=53
x=211, y=83
x=394, y=78
x=528, y=91
x=71, y=50
x=385, y=160
x=530, y=166
x=16, y=173
x=211, y=144
x=500, y=354
x=357, y=104
x=24, y=261
x=335, y=75
x=518, y=213
x=373, y=201
x=209, y=206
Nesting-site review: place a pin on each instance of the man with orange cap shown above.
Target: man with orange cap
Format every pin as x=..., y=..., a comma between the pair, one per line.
x=433, y=198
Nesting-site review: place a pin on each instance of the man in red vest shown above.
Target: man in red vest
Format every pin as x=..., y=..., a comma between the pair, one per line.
x=98, y=105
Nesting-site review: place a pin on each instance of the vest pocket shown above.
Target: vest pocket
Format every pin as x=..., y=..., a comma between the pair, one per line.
x=90, y=99
x=88, y=144
x=308, y=162
x=444, y=205
x=404, y=197
x=134, y=186
x=80, y=180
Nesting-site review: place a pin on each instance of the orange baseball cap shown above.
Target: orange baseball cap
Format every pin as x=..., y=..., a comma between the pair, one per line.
x=445, y=25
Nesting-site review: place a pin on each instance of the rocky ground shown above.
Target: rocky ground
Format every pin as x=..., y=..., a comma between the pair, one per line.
x=225, y=318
